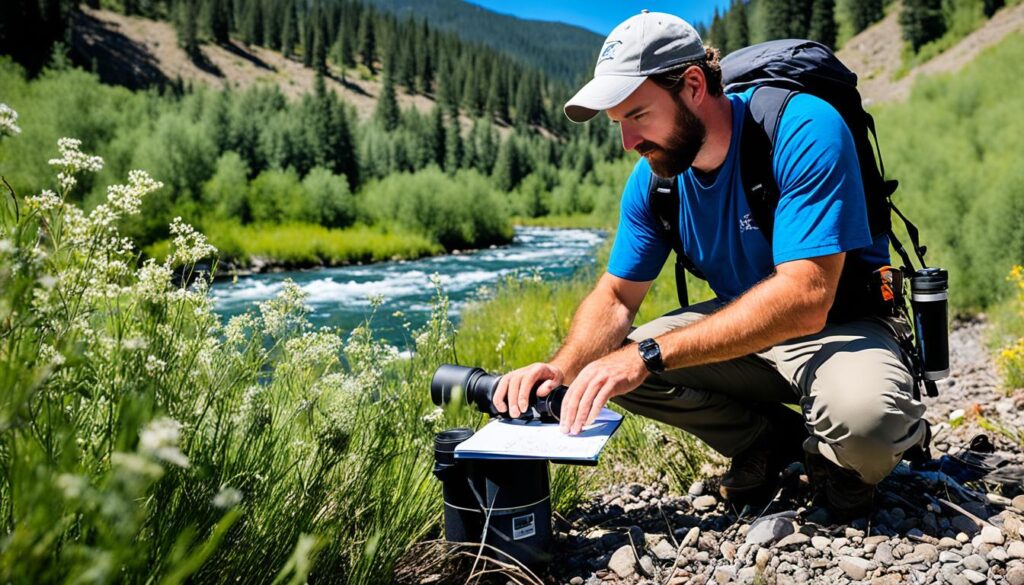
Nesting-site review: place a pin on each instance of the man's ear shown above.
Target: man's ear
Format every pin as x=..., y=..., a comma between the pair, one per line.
x=694, y=86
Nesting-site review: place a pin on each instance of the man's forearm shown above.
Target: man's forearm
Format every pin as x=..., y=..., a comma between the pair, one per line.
x=598, y=328
x=771, y=312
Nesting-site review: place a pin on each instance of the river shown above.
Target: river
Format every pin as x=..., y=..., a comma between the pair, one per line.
x=340, y=296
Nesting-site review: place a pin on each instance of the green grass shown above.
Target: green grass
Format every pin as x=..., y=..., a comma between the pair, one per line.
x=309, y=245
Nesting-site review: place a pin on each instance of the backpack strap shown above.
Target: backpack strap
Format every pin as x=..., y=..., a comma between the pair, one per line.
x=757, y=149
x=663, y=200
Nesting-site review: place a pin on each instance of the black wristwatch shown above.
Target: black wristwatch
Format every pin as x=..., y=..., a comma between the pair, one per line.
x=650, y=352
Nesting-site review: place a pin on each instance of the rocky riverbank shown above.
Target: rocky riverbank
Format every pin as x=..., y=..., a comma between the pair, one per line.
x=927, y=527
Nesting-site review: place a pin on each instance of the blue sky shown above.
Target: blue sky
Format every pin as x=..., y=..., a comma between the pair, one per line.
x=601, y=17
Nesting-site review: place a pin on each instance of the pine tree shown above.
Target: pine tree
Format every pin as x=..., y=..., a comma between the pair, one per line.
x=436, y=136
x=188, y=27
x=507, y=168
x=776, y=19
x=823, y=23
x=367, y=42
x=453, y=152
x=497, y=96
x=922, y=22
x=864, y=13
x=272, y=17
x=720, y=34
x=288, y=29
x=736, y=26
x=252, y=24
x=387, y=112
x=319, y=42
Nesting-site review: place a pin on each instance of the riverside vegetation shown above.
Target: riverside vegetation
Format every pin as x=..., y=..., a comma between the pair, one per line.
x=143, y=440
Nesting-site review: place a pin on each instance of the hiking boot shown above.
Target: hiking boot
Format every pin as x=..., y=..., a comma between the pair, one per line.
x=754, y=473
x=840, y=490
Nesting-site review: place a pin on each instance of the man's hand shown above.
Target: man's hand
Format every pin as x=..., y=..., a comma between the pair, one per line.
x=517, y=385
x=617, y=373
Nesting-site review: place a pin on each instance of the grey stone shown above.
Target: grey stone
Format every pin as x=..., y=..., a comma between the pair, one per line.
x=801, y=576
x=962, y=537
x=762, y=557
x=856, y=568
x=691, y=537
x=1018, y=503
x=876, y=539
x=664, y=551
x=728, y=550
x=1016, y=550
x=883, y=554
x=795, y=539
x=1015, y=575
x=998, y=554
x=927, y=552
x=947, y=556
x=577, y=580
x=769, y=530
x=991, y=535
x=947, y=542
x=705, y=503
x=976, y=562
x=724, y=574
x=747, y=574
x=696, y=488
x=647, y=566
x=820, y=542
x=623, y=562
x=974, y=576
x=853, y=532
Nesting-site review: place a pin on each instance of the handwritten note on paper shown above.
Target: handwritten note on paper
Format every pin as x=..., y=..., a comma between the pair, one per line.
x=509, y=439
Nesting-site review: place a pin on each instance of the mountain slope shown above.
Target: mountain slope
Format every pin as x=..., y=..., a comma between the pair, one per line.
x=561, y=50
x=875, y=54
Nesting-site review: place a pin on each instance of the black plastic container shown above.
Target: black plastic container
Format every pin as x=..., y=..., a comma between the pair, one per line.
x=504, y=503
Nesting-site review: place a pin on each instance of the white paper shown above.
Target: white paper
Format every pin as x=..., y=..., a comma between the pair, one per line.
x=513, y=439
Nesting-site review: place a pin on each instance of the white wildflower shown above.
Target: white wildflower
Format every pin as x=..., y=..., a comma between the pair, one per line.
x=6, y=246
x=433, y=416
x=228, y=497
x=501, y=343
x=8, y=121
x=190, y=246
x=153, y=280
x=160, y=438
x=72, y=160
x=235, y=330
x=45, y=201
x=50, y=356
x=47, y=281
x=154, y=365
x=128, y=198
x=134, y=343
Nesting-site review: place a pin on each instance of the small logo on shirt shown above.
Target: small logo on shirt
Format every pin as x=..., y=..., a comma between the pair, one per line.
x=747, y=224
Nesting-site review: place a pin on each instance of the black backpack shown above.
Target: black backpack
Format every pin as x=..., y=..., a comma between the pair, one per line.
x=781, y=69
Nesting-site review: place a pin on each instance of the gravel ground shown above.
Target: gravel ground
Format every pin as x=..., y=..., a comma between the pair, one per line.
x=926, y=527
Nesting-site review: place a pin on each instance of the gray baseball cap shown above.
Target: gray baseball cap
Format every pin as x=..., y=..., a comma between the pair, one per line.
x=643, y=45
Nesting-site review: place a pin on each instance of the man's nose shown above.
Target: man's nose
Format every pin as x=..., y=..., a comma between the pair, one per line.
x=630, y=139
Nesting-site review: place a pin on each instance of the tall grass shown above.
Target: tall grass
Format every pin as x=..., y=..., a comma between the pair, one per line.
x=143, y=441
x=309, y=244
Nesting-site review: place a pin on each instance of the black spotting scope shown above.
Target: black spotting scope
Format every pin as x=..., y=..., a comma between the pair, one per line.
x=478, y=387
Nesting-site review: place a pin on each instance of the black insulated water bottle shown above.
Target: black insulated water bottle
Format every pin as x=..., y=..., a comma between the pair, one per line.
x=929, y=296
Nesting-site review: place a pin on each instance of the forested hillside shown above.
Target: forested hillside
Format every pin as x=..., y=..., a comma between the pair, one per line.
x=563, y=51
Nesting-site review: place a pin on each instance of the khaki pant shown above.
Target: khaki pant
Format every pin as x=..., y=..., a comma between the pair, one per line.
x=849, y=380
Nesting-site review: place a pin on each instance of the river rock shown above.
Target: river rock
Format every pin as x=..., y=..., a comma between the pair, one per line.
x=856, y=568
x=1018, y=503
x=883, y=554
x=991, y=535
x=647, y=566
x=664, y=551
x=705, y=503
x=1016, y=550
x=691, y=537
x=728, y=550
x=1015, y=576
x=795, y=539
x=976, y=562
x=821, y=543
x=696, y=488
x=769, y=530
x=998, y=554
x=623, y=562
x=964, y=524
x=974, y=576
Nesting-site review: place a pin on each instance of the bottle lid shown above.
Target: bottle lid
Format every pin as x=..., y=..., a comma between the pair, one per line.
x=929, y=280
x=446, y=441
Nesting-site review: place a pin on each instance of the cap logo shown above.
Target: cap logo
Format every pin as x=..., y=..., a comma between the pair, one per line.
x=608, y=52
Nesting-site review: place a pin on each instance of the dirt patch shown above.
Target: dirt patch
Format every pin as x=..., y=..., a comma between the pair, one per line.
x=138, y=52
x=875, y=54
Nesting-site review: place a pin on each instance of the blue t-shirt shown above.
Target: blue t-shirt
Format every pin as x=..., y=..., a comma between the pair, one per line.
x=821, y=207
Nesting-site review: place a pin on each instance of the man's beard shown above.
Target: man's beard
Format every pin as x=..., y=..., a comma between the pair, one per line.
x=686, y=140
